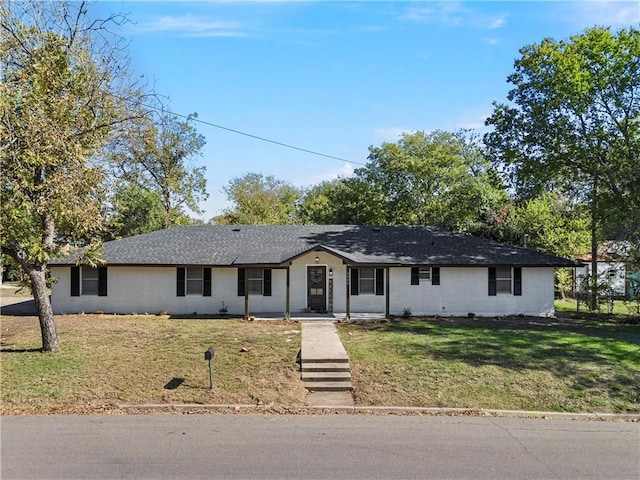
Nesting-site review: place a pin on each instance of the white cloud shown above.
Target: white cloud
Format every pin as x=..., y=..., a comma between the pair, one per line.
x=498, y=22
x=608, y=12
x=472, y=121
x=453, y=13
x=441, y=12
x=192, y=25
x=346, y=171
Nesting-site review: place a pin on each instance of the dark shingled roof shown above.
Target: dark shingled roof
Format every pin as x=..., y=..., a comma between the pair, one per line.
x=226, y=245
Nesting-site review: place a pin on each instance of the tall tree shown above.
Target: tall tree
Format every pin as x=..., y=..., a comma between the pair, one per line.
x=437, y=178
x=60, y=99
x=572, y=125
x=260, y=200
x=159, y=156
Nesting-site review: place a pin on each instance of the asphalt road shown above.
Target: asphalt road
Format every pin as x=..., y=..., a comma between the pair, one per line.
x=328, y=446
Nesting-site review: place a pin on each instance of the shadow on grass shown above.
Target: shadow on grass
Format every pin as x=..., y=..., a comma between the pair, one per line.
x=592, y=356
x=174, y=383
x=20, y=350
x=521, y=342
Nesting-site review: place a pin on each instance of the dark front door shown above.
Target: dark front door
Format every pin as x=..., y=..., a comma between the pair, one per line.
x=316, y=288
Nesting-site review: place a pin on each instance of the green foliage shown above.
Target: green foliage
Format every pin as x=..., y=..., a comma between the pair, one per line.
x=60, y=102
x=553, y=225
x=344, y=201
x=573, y=117
x=572, y=127
x=136, y=210
x=157, y=159
x=260, y=200
x=436, y=178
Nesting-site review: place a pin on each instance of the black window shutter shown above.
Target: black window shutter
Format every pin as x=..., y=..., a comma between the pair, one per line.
x=75, y=281
x=206, y=282
x=379, y=281
x=415, y=275
x=102, y=281
x=435, y=275
x=266, y=282
x=492, y=281
x=241, y=282
x=180, y=276
x=517, y=281
x=355, y=276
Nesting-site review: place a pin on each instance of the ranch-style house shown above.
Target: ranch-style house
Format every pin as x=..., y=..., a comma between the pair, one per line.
x=288, y=270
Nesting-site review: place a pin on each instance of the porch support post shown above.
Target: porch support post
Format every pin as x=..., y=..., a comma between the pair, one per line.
x=387, y=296
x=348, y=292
x=288, y=301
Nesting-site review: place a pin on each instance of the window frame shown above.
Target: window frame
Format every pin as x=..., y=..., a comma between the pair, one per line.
x=92, y=280
x=498, y=279
x=418, y=275
x=183, y=278
x=378, y=281
x=255, y=277
x=504, y=280
x=266, y=281
x=79, y=278
x=194, y=280
x=362, y=279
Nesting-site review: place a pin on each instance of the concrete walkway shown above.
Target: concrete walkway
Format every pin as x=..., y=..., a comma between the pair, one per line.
x=321, y=343
x=325, y=365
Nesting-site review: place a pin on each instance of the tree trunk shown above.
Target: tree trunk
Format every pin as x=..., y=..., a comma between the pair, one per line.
x=45, y=312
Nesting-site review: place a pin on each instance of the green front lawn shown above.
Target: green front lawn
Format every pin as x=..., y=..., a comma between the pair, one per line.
x=621, y=309
x=523, y=364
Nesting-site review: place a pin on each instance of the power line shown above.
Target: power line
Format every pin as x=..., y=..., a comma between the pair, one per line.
x=256, y=137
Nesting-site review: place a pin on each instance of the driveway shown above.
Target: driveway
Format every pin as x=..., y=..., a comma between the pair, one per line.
x=19, y=305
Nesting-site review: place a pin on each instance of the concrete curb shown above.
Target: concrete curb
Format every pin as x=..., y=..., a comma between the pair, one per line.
x=272, y=408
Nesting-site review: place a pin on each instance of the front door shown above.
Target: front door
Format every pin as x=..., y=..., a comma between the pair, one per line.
x=316, y=288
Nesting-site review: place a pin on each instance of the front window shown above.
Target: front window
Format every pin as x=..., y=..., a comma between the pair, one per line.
x=254, y=281
x=424, y=273
x=503, y=279
x=194, y=281
x=367, y=281
x=89, y=281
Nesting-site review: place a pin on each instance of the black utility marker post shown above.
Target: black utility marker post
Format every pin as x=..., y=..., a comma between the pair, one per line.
x=208, y=355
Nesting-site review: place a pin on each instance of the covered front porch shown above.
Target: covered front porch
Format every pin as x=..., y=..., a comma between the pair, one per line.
x=321, y=317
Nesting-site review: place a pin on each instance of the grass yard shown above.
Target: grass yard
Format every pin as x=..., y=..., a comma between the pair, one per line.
x=521, y=363
x=623, y=310
x=106, y=359
x=528, y=364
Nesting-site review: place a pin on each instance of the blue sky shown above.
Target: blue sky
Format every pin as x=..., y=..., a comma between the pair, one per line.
x=335, y=77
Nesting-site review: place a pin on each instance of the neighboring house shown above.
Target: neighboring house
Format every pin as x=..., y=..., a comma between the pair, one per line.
x=612, y=268
x=324, y=268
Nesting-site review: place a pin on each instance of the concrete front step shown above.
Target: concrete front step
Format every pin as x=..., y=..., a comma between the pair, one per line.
x=324, y=360
x=325, y=367
x=326, y=376
x=328, y=386
x=324, y=363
